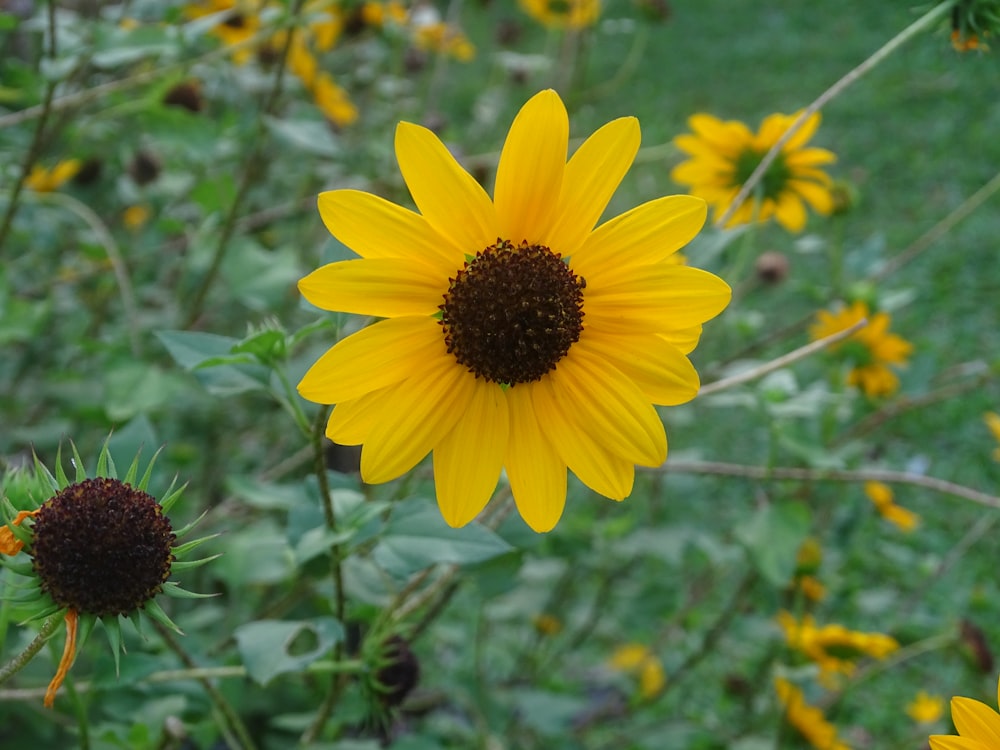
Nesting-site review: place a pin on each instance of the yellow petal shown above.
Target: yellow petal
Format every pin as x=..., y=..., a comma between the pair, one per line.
x=655, y=298
x=647, y=234
x=596, y=467
x=375, y=228
x=351, y=421
x=942, y=742
x=816, y=195
x=536, y=472
x=685, y=339
x=609, y=407
x=790, y=212
x=468, y=460
x=449, y=198
x=804, y=133
x=382, y=287
x=661, y=372
x=976, y=720
x=592, y=176
x=530, y=172
x=417, y=415
x=382, y=354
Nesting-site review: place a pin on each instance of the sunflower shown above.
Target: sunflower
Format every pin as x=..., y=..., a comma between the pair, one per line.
x=517, y=336
x=101, y=548
x=725, y=154
x=978, y=726
x=563, y=14
x=872, y=349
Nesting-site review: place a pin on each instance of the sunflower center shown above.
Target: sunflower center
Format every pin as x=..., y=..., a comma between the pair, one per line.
x=102, y=547
x=513, y=312
x=775, y=179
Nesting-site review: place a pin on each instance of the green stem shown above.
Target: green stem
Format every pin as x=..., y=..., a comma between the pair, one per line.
x=34, y=149
x=249, y=174
x=921, y=24
x=232, y=718
x=19, y=662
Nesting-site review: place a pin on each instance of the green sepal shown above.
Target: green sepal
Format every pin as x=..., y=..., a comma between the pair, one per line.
x=20, y=568
x=144, y=482
x=84, y=629
x=43, y=471
x=42, y=613
x=189, y=564
x=113, y=630
x=8, y=509
x=182, y=549
x=106, y=464
x=156, y=612
x=23, y=534
x=136, y=620
x=171, y=496
x=171, y=588
x=21, y=594
x=78, y=464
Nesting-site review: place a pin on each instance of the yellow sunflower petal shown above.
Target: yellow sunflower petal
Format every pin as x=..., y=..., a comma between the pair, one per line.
x=382, y=354
x=804, y=133
x=351, y=421
x=809, y=157
x=684, y=340
x=655, y=299
x=976, y=720
x=599, y=469
x=817, y=196
x=537, y=475
x=383, y=287
x=662, y=373
x=592, y=176
x=790, y=212
x=376, y=228
x=610, y=406
x=449, y=198
x=468, y=460
x=530, y=172
x=942, y=742
x=647, y=234
x=418, y=414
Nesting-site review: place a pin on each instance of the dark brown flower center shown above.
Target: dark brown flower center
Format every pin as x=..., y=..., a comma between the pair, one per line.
x=513, y=312
x=102, y=547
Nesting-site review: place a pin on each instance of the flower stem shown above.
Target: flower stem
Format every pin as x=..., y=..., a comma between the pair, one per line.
x=249, y=174
x=18, y=663
x=34, y=149
x=918, y=26
x=779, y=473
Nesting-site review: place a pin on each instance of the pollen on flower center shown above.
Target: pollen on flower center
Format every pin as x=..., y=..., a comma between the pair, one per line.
x=513, y=312
x=102, y=547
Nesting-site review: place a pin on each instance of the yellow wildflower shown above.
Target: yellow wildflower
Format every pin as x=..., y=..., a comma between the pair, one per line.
x=638, y=660
x=882, y=498
x=807, y=720
x=992, y=420
x=43, y=180
x=135, y=217
x=978, y=726
x=563, y=14
x=925, y=708
x=833, y=647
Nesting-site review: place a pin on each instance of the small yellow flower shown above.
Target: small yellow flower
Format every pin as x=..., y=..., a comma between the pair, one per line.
x=723, y=155
x=882, y=498
x=638, y=660
x=240, y=23
x=834, y=648
x=992, y=420
x=43, y=180
x=135, y=217
x=516, y=334
x=807, y=720
x=547, y=624
x=925, y=708
x=978, y=726
x=871, y=349
x=445, y=39
x=379, y=14
x=812, y=588
x=563, y=14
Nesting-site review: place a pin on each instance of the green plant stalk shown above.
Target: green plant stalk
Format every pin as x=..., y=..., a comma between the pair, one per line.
x=338, y=680
x=232, y=718
x=921, y=24
x=34, y=149
x=249, y=173
x=20, y=661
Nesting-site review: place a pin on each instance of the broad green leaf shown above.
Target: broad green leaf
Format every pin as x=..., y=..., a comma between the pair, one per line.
x=270, y=648
x=772, y=538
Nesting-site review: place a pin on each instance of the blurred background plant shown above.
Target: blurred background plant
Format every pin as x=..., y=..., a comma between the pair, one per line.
x=160, y=162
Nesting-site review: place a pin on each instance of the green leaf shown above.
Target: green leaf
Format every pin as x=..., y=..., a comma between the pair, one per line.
x=772, y=538
x=193, y=351
x=270, y=648
x=416, y=537
x=311, y=136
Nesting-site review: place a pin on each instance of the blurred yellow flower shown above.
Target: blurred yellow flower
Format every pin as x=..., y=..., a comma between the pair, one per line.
x=992, y=420
x=333, y=101
x=834, y=648
x=445, y=39
x=812, y=588
x=563, y=14
x=43, y=180
x=871, y=349
x=882, y=498
x=482, y=299
x=925, y=708
x=723, y=155
x=240, y=23
x=547, y=624
x=807, y=720
x=636, y=659
x=978, y=726
x=378, y=14
x=135, y=217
